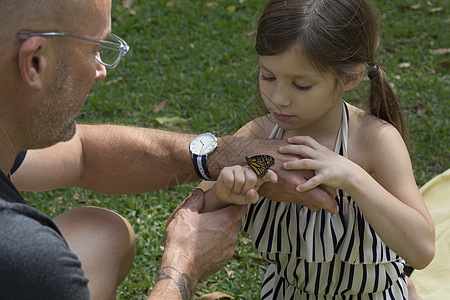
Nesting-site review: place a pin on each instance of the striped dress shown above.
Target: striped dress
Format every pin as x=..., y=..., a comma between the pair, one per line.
x=319, y=255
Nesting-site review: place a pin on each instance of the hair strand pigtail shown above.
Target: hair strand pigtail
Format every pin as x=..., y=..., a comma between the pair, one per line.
x=383, y=102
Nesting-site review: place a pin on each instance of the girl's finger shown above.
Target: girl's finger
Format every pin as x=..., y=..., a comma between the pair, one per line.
x=250, y=179
x=309, y=184
x=227, y=177
x=271, y=176
x=240, y=179
x=251, y=196
x=299, y=150
x=304, y=140
x=302, y=164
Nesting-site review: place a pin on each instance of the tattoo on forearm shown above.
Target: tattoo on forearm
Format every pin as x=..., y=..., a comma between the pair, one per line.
x=183, y=282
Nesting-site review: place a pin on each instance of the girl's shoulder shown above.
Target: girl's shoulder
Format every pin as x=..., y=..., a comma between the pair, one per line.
x=257, y=128
x=371, y=138
x=369, y=128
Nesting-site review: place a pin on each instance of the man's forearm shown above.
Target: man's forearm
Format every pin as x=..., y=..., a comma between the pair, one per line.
x=110, y=159
x=119, y=159
x=116, y=159
x=172, y=284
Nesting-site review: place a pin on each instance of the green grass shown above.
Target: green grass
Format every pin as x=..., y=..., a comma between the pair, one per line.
x=197, y=58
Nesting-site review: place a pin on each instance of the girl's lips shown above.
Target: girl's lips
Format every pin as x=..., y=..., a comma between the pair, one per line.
x=282, y=117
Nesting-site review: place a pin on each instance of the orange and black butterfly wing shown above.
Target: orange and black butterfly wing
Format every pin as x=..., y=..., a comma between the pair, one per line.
x=257, y=166
x=260, y=164
x=270, y=161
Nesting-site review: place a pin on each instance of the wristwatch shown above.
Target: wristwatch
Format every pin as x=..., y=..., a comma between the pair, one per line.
x=200, y=146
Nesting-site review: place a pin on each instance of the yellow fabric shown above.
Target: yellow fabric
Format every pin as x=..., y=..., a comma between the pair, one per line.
x=433, y=282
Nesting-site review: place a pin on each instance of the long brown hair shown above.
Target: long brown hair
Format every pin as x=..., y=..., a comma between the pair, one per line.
x=336, y=35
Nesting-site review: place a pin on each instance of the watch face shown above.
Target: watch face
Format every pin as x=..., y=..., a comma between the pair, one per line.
x=203, y=144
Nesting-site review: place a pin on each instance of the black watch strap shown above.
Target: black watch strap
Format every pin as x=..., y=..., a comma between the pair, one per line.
x=200, y=166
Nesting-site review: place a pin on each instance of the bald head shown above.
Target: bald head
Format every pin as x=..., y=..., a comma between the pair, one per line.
x=20, y=14
x=43, y=15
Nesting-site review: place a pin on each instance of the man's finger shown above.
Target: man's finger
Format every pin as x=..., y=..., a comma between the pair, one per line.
x=234, y=212
x=195, y=201
x=324, y=200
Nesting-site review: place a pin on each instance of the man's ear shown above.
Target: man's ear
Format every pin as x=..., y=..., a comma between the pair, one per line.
x=32, y=61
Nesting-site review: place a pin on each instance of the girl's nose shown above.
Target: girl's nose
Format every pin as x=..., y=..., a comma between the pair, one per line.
x=281, y=96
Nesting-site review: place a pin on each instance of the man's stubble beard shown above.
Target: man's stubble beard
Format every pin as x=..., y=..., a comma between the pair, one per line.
x=55, y=119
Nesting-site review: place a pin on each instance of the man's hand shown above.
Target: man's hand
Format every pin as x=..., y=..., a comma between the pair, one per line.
x=196, y=245
x=288, y=180
x=285, y=191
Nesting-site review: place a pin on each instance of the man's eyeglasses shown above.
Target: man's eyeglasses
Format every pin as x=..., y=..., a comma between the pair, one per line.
x=111, y=51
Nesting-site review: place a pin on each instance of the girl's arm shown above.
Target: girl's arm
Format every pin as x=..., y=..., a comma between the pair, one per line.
x=392, y=204
x=236, y=185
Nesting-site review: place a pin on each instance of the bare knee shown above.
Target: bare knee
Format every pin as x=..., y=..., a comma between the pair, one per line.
x=98, y=226
x=103, y=241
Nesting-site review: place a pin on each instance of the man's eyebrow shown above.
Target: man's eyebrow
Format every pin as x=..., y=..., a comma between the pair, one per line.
x=106, y=34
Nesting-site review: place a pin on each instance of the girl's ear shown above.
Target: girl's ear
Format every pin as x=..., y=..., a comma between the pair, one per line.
x=32, y=62
x=353, y=77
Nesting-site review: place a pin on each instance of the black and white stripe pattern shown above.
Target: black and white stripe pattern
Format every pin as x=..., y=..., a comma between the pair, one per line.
x=319, y=255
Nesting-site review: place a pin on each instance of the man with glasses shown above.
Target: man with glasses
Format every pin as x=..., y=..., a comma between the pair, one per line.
x=111, y=50
x=51, y=53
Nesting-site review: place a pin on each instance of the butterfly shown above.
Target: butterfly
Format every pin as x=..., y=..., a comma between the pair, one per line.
x=260, y=164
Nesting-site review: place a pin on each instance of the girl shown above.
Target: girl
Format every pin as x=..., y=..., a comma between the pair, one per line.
x=311, y=52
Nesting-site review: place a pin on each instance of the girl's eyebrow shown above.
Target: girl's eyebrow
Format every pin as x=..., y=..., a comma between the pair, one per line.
x=262, y=67
x=298, y=76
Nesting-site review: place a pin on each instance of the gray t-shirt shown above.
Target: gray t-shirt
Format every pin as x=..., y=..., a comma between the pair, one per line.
x=35, y=261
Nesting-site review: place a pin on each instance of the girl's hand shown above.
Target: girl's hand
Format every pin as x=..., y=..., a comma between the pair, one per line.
x=330, y=168
x=239, y=185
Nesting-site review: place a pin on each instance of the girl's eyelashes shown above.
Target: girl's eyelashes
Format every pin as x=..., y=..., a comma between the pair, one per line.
x=301, y=87
x=296, y=85
x=267, y=78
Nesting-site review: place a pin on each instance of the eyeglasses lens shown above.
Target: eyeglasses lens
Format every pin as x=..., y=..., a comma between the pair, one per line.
x=110, y=55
